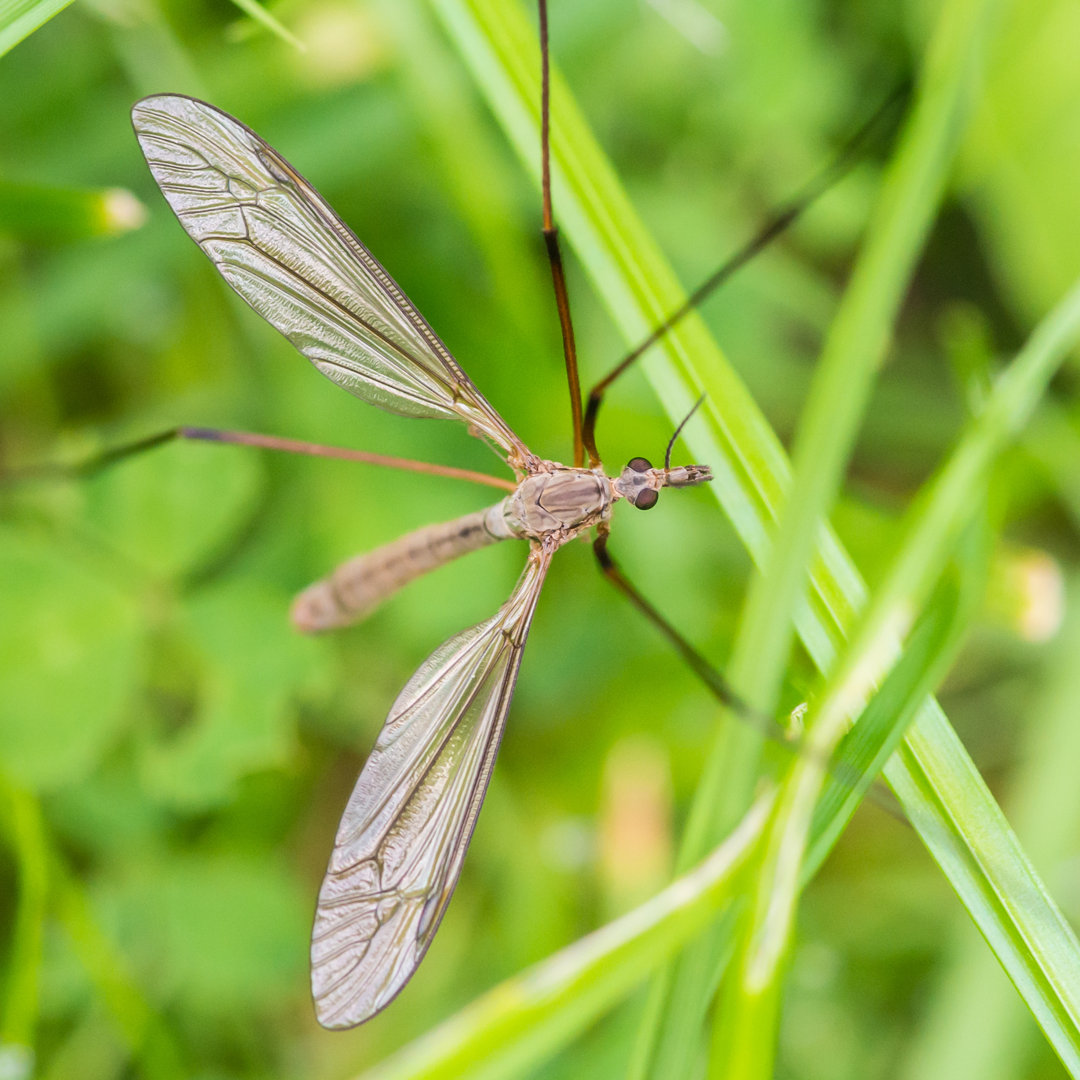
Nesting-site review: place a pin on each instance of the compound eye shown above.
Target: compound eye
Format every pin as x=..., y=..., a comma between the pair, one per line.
x=639, y=464
x=646, y=498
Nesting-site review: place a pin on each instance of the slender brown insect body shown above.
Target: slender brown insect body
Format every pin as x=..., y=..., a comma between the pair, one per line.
x=404, y=833
x=403, y=836
x=550, y=506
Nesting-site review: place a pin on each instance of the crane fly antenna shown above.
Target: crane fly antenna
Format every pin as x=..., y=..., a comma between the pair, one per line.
x=783, y=218
x=554, y=254
x=678, y=431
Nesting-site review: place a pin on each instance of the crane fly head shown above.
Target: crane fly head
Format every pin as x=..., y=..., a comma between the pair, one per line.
x=640, y=484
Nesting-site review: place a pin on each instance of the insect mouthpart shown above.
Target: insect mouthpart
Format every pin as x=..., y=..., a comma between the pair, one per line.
x=687, y=475
x=640, y=484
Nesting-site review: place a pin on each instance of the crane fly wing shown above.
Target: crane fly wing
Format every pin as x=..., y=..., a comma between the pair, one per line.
x=275, y=240
x=403, y=836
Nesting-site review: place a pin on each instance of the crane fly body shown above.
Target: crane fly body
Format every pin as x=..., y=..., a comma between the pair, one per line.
x=402, y=839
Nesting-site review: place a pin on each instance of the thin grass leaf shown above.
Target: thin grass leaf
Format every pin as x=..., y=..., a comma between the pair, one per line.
x=20, y=18
x=148, y=1039
x=523, y=1020
x=499, y=47
x=440, y=96
x=257, y=12
x=44, y=880
x=1050, y=960
x=855, y=346
x=973, y=1030
x=911, y=192
x=927, y=657
x=51, y=215
x=18, y=1020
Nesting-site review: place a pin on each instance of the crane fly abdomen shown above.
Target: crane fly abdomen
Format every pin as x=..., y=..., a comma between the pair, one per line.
x=358, y=586
x=550, y=506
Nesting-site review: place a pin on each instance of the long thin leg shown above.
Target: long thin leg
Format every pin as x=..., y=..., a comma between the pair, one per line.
x=95, y=464
x=551, y=242
x=717, y=685
x=781, y=220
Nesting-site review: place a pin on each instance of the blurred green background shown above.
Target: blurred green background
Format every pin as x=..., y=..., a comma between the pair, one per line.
x=175, y=759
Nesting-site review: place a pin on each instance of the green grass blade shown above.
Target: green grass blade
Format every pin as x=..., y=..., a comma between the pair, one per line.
x=44, y=879
x=256, y=11
x=854, y=348
x=149, y=1041
x=974, y=1030
x=911, y=192
x=20, y=18
x=34, y=213
x=956, y=818
x=927, y=656
x=1050, y=959
x=522, y=1020
x=18, y=1020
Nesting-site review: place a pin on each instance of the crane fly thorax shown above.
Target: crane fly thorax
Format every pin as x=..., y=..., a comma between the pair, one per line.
x=558, y=502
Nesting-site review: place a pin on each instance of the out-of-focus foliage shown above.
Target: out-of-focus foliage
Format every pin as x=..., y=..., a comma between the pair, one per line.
x=174, y=758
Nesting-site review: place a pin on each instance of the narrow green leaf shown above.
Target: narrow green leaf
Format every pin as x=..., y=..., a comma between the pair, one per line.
x=1049, y=962
x=751, y=471
x=20, y=18
x=910, y=194
x=26, y=838
x=521, y=1021
x=927, y=656
x=147, y=1037
x=259, y=13
x=43, y=877
x=972, y=1029
x=51, y=215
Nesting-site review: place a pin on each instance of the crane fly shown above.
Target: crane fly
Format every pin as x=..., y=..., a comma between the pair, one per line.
x=403, y=836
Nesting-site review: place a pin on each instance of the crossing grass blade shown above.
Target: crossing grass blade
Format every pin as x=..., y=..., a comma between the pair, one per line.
x=21, y=818
x=521, y=1021
x=933, y=776
x=47, y=890
x=911, y=191
x=254, y=10
x=20, y=18
x=1047, y=966
x=972, y=1030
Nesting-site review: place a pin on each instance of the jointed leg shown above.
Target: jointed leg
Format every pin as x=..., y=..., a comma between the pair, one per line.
x=244, y=438
x=551, y=242
x=717, y=685
x=782, y=219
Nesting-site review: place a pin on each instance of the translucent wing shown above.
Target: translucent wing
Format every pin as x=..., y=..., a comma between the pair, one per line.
x=280, y=246
x=403, y=836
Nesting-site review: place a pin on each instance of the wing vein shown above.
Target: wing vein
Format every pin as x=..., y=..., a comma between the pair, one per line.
x=403, y=836
x=281, y=247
